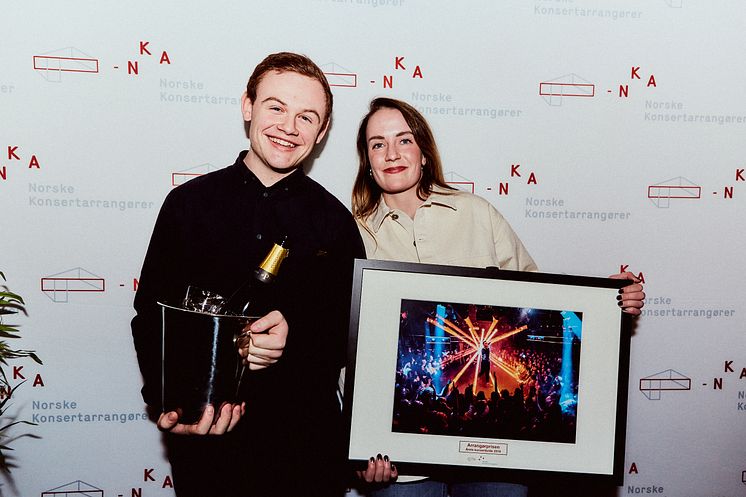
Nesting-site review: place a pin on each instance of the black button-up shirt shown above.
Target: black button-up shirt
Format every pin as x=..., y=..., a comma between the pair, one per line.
x=212, y=232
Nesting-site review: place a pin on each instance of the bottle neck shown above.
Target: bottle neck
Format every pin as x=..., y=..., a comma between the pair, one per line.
x=270, y=266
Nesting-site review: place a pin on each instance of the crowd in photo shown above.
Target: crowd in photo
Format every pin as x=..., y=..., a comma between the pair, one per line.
x=427, y=400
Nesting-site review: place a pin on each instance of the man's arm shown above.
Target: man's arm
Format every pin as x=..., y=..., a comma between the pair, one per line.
x=163, y=279
x=160, y=280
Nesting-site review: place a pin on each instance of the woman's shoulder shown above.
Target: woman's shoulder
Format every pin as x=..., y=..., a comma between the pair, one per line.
x=462, y=199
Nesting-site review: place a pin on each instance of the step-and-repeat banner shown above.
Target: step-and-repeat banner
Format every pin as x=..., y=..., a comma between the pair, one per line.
x=609, y=133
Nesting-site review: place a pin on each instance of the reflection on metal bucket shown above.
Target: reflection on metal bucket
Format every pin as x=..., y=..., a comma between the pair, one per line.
x=200, y=363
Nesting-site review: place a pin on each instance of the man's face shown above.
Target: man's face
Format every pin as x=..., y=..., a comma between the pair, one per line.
x=287, y=120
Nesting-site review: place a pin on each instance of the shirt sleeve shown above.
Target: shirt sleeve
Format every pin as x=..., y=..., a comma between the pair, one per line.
x=510, y=251
x=159, y=279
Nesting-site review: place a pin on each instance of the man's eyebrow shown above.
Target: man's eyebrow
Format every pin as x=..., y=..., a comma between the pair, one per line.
x=400, y=133
x=312, y=111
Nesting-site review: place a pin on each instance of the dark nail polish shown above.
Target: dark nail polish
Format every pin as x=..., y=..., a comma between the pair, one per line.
x=621, y=290
x=619, y=297
x=620, y=304
x=372, y=460
x=386, y=458
x=379, y=457
x=393, y=467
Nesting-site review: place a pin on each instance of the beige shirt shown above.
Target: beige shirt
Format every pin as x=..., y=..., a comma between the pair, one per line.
x=458, y=229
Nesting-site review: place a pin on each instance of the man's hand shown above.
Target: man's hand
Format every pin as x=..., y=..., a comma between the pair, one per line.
x=227, y=419
x=379, y=470
x=631, y=297
x=263, y=342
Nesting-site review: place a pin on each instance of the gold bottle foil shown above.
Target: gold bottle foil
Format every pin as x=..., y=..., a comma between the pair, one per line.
x=271, y=263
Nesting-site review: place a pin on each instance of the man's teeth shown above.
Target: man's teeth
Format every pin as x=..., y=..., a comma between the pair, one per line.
x=282, y=142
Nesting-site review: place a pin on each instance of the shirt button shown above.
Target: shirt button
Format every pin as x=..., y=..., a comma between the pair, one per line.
x=265, y=194
x=259, y=236
x=394, y=216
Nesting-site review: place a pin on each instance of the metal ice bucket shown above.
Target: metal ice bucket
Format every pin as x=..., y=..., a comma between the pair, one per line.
x=200, y=363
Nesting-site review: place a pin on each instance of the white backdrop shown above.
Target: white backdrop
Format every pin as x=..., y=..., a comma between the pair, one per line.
x=610, y=134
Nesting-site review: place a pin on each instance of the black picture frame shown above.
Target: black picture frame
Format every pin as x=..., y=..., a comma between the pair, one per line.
x=384, y=415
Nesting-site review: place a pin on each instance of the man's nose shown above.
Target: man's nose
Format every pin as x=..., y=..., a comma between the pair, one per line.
x=287, y=125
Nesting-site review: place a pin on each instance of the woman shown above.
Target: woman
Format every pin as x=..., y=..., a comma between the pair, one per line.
x=407, y=212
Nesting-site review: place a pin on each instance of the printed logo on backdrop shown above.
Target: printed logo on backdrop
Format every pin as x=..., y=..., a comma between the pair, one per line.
x=459, y=182
x=402, y=70
x=664, y=194
x=66, y=196
x=77, y=284
x=399, y=71
x=669, y=380
x=548, y=208
x=6, y=88
x=181, y=177
x=570, y=87
x=634, y=472
x=16, y=161
x=70, y=62
x=59, y=286
x=672, y=112
x=536, y=206
x=448, y=106
x=72, y=412
x=150, y=480
x=568, y=8
x=191, y=92
x=338, y=76
x=567, y=87
x=19, y=376
x=74, y=488
x=661, y=194
x=657, y=306
x=365, y=3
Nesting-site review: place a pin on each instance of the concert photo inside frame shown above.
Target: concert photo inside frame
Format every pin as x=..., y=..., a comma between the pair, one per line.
x=487, y=371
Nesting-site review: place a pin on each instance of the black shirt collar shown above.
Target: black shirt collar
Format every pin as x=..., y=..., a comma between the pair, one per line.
x=247, y=177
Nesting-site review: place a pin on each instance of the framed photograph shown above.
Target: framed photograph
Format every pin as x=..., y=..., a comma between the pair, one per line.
x=484, y=371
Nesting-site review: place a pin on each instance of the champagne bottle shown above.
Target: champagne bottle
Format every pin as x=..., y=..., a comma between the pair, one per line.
x=246, y=298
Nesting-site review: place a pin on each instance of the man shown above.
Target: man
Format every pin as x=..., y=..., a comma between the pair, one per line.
x=283, y=439
x=484, y=369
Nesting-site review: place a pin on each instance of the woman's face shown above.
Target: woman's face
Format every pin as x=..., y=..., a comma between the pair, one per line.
x=395, y=158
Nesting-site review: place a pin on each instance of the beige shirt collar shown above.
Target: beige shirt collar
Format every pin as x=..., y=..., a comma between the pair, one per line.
x=437, y=197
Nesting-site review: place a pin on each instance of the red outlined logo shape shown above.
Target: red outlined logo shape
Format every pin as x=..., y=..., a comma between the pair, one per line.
x=554, y=91
x=58, y=287
x=669, y=380
x=52, y=64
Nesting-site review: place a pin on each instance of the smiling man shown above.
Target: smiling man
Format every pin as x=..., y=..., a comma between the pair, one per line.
x=283, y=437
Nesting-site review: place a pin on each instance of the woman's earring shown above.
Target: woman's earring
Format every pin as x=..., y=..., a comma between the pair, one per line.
x=370, y=171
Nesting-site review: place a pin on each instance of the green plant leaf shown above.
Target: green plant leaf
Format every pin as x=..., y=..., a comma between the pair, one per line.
x=11, y=296
x=9, y=304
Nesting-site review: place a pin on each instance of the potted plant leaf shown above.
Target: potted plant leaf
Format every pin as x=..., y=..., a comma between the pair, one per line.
x=10, y=304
